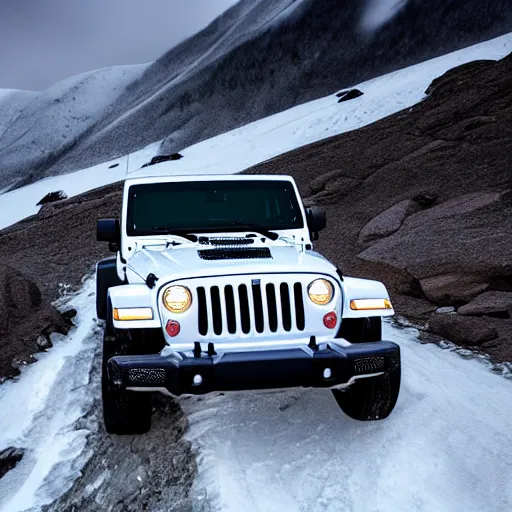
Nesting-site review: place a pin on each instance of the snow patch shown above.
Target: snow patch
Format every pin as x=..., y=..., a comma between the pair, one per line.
x=40, y=410
x=444, y=447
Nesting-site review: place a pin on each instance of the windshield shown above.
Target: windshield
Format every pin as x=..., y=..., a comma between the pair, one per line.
x=212, y=205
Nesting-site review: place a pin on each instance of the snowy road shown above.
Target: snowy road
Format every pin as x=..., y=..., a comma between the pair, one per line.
x=446, y=447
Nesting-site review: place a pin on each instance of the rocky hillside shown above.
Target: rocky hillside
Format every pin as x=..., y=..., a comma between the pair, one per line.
x=423, y=201
x=258, y=58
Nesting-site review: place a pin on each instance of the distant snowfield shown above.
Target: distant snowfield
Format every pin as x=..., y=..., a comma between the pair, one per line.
x=256, y=142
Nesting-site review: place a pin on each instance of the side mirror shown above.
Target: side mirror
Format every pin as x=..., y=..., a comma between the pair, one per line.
x=316, y=219
x=108, y=230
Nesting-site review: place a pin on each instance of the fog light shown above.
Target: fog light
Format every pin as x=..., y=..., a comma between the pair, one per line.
x=197, y=380
x=330, y=320
x=172, y=328
x=327, y=373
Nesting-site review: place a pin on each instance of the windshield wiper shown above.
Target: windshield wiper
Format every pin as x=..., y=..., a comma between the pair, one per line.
x=257, y=229
x=162, y=230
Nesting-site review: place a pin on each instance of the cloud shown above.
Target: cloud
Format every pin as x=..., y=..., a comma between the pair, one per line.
x=42, y=42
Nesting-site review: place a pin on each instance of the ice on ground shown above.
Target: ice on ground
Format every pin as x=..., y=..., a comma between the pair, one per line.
x=262, y=140
x=40, y=410
x=446, y=446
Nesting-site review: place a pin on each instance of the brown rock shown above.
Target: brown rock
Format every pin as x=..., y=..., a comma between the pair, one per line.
x=387, y=222
x=497, y=303
x=447, y=289
x=19, y=297
x=462, y=330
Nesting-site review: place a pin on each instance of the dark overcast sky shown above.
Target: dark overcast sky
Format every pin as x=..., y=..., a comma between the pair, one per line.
x=45, y=41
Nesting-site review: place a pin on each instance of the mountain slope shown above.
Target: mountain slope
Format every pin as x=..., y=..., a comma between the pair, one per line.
x=35, y=128
x=258, y=58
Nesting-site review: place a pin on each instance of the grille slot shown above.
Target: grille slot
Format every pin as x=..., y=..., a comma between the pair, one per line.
x=202, y=312
x=286, y=306
x=258, y=307
x=216, y=310
x=267, y=307
x=235, y=253
x=272, y=307
x=230, y=309
x=244, y=308
x=299, y=307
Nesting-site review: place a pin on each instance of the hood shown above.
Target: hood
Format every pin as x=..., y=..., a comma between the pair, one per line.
x=197, y=260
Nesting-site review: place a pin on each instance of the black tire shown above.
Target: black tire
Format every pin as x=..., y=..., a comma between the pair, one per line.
x=373, y=398
x=361, y=330
x=124, y=412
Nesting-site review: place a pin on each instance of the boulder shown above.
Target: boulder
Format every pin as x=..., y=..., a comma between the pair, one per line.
x=387, y=222
x=9, y=458
x=349, y=95
x=462, y=330
x=445, y=310
x=19, y=297
x=489, y=303
x=453, y=288
x=52, y=197
x=43, y=342
x=467, y=238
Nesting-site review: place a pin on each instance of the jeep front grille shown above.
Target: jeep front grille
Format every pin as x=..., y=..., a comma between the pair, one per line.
x=245, y=307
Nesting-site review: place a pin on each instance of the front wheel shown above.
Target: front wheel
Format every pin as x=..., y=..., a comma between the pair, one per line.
x=124, y=412
x=372, y=398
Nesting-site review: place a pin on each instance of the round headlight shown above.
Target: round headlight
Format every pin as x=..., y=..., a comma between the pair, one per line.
x=177, y=299
x=321, y=292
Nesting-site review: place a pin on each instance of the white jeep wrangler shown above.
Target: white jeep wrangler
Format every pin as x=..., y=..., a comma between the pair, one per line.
x=215, y=286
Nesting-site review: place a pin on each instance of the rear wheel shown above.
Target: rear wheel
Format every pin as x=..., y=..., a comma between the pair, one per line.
x=124, y=412
x=361, y=330
x=373, y=398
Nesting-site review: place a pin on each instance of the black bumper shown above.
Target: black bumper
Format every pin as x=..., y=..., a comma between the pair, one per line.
x=265, y=369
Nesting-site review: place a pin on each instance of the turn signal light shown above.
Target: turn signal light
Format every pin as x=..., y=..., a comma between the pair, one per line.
x=368, y=304
x=172, y=328
x=122, y=314
x=330, y=320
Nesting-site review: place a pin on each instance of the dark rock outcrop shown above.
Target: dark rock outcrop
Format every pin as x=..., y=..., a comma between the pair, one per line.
x=9, y=459
x=52, y=197
x=467, y=331
x=493, y=303
x=26, y=320
x=349, y=95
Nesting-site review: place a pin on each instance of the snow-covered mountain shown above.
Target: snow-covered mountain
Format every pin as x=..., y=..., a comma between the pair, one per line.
x=36, y=128
x=258, y=58
x=249, y=145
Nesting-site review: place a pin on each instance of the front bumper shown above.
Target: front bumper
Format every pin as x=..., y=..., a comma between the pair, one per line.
x=301, y=366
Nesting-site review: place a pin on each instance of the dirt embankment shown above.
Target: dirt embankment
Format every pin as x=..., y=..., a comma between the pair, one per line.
x=422, y=200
